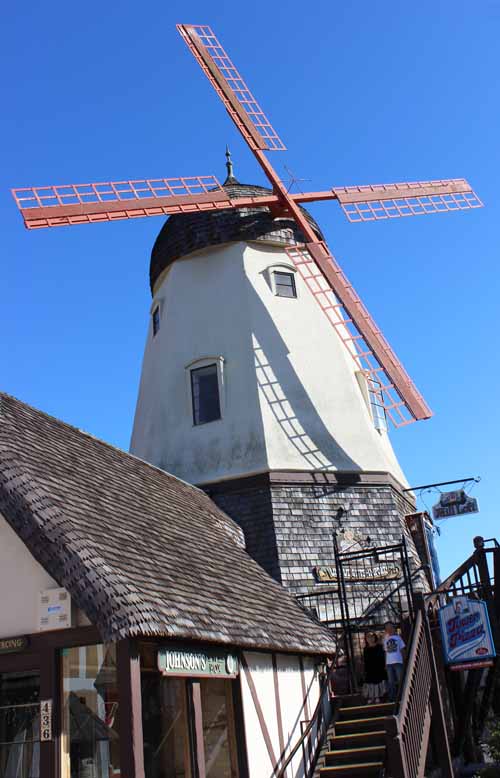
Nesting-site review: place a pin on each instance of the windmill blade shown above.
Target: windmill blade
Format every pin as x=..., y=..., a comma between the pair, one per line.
x=388, y=383
x=56, y=206
x=240, y=103
x=410, y=198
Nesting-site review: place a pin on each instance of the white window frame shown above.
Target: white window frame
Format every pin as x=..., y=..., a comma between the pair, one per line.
x=219, y=362
x=379, y=422
x=282, y=267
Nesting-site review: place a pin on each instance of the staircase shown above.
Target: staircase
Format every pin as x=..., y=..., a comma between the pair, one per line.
x=356, y=741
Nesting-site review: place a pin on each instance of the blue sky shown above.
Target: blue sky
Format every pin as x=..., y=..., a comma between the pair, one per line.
x=361, y=93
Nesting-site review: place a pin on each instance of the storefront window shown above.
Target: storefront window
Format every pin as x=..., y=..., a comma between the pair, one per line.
x=169, y=718
x=218, y=736
x=19, y=725
x=164, y=716
x=90, y=742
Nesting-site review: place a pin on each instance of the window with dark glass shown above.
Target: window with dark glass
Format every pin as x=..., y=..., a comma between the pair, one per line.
x=20, y=724
x=90, y=744
x=156, y=320
x=284, y=284
x=205, y=394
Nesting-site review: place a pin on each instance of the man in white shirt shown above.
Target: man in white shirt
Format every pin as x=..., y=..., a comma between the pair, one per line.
x=394, y=647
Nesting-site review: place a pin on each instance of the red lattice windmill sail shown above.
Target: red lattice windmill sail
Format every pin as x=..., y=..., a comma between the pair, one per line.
x=387, y=380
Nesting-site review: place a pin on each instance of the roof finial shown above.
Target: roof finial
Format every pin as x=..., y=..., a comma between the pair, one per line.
x=229, y=166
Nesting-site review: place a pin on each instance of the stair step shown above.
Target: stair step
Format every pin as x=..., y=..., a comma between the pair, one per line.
x=353, y=769
x=358, y=740
x=350, y=755
x=350, y=726
x=365, y=711
x=347, y=700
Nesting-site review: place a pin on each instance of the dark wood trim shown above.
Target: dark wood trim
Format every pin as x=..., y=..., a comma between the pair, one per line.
x=61, y=638
x=17, y=663
x=437, y=721
x=339, y=478
x=198, y=728
x=305, y=692
x=305, y=705
x=50, y=687
x=260, y=713
x=279, y=717
x=239, y=725
x=129, y=685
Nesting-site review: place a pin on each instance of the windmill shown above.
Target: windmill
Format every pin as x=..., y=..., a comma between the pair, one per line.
x=388, y=383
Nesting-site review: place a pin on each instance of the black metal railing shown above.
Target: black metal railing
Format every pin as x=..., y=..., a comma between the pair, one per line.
x=315, y=730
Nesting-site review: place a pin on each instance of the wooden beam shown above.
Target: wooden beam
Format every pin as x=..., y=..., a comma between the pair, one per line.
x=439, y=733
x=198, y=728
x=50, y=690
x=375, y=193
x=129, y=689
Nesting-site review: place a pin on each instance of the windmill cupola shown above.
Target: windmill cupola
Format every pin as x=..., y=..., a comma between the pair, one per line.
x=184, y=234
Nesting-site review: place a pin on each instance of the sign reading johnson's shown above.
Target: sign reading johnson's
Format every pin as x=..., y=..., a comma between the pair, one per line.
x=465, y=630
x=197, y=662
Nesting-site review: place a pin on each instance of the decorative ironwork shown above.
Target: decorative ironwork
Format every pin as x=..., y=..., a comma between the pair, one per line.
x=357, y=603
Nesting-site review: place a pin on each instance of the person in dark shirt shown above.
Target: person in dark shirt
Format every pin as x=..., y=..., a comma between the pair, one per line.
x=374, y=687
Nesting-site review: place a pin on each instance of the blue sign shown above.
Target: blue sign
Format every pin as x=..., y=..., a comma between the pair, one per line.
x=465, y=631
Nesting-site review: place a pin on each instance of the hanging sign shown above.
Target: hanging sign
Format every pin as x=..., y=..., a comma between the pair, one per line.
x=384, y=571
x=11, y=645
x=454, y=504
x=198, y=662
x=45, y=720
x=466, y=632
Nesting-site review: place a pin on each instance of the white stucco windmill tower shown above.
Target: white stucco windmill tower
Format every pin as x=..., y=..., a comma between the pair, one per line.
x=265, y=380
x=242, y=372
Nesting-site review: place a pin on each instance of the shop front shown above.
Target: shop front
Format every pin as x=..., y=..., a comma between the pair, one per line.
x=191, y=703
x=59, y=707
x=198, y=711
x=127, y=650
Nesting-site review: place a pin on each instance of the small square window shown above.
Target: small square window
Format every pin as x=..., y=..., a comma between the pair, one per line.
x=205, y=394
x=156, y=320
x=284, y=284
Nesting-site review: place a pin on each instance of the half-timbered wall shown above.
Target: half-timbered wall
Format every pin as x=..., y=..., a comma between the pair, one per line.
x=279, y=691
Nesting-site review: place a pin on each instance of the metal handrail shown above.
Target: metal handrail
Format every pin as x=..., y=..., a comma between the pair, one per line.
x=316, y=718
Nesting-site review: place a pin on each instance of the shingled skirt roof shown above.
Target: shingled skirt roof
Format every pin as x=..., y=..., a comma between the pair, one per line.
x=140, y=552
x=187, y=232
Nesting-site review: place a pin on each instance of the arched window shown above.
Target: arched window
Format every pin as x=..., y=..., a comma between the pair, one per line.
x=282, y=279
x=205, y=379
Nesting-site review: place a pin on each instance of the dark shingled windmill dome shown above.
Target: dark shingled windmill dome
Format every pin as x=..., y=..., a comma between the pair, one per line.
x=184, y=233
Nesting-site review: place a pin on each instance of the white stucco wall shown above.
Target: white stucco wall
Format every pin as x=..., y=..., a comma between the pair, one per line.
x=291, y=683
x=22, y=578
x=292, y=399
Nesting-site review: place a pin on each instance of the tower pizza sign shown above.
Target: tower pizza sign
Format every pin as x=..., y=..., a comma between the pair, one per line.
x=466, y=634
